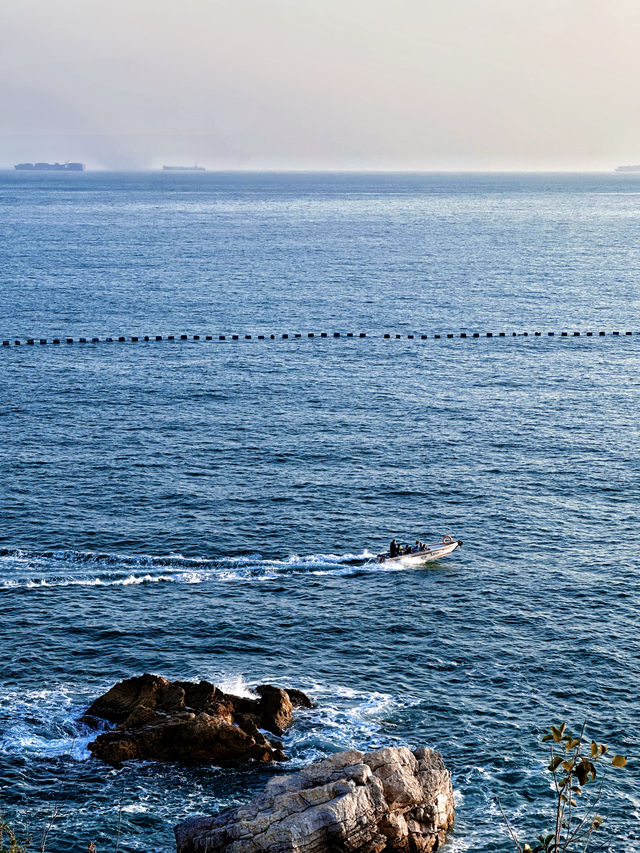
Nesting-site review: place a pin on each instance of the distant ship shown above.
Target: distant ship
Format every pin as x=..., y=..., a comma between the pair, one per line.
x=50, y=167
x=183, y=169
x=628, y=168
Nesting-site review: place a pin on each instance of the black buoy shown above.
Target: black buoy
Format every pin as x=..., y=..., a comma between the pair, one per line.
x=563, y=334
x=171, y=337
x=349, y=334
x=363, y=334
x=537, y=334
x=273, y=337
x=158, y=337
x=514, y=334
x=69, y=340
x=398, y=336
x=297, y=335
x=336, y=334
x=56, y=340
x=196, y=337
x=184, y=337
x=95, y=340
x=208, y=337
x=615, y=333
x=576, y=334
x=449, y=334
x=234, y=337
x=410, y=337
x=463, y=334
x=476, y=335
x=260, y=337
x=550, y=334
x=387, y=335
x=323, y=334
x=424, y=337
x=628, y=333
x=5, y=343
x=589, y=334
x=489, y=334
x=525, y=334
x=17, y=343
x=30, y=342
x=222, y=337
x=146, y=337
x=436, y=336
x=501, y=334
x=134, y=339
x=43, y=340
x=310, y=334
x=247, y=337
x=285, y=336
x=121, y=339
x=84, y=340
x=602, y=334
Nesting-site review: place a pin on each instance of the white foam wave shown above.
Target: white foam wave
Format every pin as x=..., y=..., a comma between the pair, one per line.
x=44, y=723
x=236, y=685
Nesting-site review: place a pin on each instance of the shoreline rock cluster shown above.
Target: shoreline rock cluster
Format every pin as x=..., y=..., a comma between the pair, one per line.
x=190, y=722
x=383, y=801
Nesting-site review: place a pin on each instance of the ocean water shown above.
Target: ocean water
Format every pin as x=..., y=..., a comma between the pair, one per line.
x=211, y=509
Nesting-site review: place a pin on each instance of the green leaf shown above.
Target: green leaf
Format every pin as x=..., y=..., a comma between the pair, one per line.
x=618, y=760
x=546, y=738
x=594, y=749
x=555, y=763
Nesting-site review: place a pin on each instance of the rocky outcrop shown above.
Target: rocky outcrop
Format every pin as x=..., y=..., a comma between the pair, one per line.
x=190, y=722
x=388, y=800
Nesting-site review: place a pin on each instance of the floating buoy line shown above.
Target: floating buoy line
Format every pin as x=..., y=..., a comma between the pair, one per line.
x=287, y=336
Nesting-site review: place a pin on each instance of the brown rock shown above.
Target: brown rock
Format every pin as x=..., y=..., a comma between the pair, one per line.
x=299, y=699
x=188, y=722
x=275, y=707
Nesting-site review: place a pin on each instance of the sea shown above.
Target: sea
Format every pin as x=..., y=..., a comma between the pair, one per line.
x=212, y=509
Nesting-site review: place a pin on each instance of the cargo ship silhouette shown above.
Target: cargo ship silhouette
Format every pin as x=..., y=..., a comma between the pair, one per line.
x=50, y=167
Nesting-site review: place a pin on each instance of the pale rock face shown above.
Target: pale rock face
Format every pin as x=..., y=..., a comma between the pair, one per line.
x=388, y=800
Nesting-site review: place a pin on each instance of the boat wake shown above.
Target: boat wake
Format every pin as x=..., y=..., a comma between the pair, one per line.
x=22, y=569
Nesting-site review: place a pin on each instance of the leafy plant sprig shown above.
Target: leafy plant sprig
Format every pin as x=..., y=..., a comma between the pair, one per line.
x=572, y=764
x=12, y=845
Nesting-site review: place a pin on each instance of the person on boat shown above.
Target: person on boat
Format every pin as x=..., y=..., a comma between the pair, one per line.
x=393, y=549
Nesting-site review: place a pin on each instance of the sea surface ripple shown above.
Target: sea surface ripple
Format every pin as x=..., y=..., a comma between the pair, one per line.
x=213, y=509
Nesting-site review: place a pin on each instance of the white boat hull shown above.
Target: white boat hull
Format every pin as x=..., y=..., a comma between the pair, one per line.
x=433, y=552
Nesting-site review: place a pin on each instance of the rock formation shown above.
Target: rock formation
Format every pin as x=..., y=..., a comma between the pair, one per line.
x=388, y=800
x=190, y=722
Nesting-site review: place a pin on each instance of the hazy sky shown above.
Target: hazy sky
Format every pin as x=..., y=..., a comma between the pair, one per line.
x=364, y=84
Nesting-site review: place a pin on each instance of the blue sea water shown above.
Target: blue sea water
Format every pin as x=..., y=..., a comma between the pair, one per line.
x=210, y=509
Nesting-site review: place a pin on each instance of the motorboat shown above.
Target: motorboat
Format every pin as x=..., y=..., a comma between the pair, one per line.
x=419, y=554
